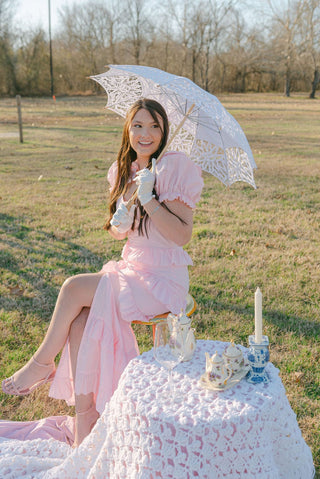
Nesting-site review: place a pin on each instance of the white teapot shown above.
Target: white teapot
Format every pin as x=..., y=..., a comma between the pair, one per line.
x=188, y=341
x=218, y=372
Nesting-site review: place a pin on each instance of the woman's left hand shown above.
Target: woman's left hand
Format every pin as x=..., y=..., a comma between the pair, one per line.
x=145, y=181
x=122, y=218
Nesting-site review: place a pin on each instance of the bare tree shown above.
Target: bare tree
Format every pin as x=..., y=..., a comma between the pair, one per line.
x=310, y=32
x=8, y=79
x=137, y=28
x=86, y=42
x=163, y=42
x=221, y=45
x=182, y=14
x=248, y=57
x=113, y=22
x=284, y=29
x=220, y=16
x=33, y=58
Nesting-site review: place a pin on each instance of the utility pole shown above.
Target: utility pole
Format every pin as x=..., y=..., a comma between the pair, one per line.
x=50, y=44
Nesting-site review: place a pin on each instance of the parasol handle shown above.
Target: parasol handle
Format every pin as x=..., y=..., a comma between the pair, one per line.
x=176, y=131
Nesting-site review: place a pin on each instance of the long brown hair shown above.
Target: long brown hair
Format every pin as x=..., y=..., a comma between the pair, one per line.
x=127, y=155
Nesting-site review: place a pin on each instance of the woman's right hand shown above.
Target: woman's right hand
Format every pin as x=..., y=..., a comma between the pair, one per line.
x=122, y=218
x=145, y=179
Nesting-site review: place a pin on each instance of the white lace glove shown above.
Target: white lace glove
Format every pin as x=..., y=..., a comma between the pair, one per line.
x=145, y=180
x=122, y=218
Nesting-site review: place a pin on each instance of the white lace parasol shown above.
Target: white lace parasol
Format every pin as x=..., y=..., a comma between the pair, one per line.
x=210, y=135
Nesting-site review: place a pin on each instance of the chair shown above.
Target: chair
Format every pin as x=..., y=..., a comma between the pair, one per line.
x=190, y=309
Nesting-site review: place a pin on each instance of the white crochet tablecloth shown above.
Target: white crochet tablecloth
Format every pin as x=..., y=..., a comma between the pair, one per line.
x=248, y=431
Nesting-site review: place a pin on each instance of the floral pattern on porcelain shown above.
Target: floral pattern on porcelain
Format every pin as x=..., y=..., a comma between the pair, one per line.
x=217, y=371
x=233, y=357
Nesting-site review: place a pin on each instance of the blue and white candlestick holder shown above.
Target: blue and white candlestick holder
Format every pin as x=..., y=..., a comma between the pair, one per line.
x=258, y=357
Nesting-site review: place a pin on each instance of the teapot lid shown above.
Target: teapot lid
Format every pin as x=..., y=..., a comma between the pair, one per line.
x=232, y=350
x=216, y=358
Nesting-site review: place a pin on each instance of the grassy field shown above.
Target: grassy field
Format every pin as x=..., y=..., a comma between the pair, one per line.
x=53, y=205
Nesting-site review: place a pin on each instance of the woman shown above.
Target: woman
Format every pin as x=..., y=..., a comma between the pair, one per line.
x=92, y=316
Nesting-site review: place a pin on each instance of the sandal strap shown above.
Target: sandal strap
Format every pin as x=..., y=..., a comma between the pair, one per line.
x=82, y=413
x=11, y=384
x=42, y=365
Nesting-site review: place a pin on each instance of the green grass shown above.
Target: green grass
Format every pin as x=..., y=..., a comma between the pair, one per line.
x=53, y=192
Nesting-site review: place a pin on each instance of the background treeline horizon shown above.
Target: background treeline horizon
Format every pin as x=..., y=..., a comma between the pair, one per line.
x=223, y=46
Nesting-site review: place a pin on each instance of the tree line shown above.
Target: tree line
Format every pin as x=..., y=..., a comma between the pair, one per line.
x=222, y=45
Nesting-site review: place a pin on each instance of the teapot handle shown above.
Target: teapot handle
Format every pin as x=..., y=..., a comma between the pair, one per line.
x=230, y=373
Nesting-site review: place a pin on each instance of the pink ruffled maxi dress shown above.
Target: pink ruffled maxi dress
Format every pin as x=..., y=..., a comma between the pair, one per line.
x=151, y=278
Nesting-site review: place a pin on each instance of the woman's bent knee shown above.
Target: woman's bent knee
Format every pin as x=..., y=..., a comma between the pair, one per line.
x=80, y=288
x=69, y=284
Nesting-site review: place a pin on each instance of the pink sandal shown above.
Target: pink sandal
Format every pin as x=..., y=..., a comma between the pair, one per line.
x=9, y=387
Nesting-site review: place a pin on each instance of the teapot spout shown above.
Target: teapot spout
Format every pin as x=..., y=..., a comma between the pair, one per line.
x=208, y=362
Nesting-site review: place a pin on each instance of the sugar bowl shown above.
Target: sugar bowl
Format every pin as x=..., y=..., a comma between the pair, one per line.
x=233, y=357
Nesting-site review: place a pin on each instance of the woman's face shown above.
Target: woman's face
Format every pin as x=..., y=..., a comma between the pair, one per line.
x=145, y=136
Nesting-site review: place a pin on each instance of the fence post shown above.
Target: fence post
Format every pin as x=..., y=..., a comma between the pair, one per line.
x=18, y=97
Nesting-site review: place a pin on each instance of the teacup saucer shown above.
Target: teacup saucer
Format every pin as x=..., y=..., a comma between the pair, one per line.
x=235, y=378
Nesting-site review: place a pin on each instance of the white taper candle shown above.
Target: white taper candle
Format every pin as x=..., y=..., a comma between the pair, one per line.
x=258, y=316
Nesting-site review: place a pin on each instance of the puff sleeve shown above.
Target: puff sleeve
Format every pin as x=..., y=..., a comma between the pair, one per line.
x=178, y=178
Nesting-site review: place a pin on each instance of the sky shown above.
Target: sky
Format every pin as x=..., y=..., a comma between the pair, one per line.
x=35, y=12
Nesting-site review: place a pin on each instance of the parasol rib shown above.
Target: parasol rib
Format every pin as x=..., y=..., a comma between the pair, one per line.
x=211, y=137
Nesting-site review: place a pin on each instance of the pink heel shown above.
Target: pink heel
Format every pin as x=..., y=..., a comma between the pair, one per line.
x=9, y=386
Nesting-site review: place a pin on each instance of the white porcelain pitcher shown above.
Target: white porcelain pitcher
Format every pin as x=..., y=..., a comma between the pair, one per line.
x=188, y=345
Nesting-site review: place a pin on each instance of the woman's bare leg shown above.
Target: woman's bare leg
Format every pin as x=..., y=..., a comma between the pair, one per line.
x=86, y=413
x=76, y=293
x=86, y=417
x=75, y=337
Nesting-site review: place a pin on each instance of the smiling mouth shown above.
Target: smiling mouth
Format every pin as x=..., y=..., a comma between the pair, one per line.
x=145, y=143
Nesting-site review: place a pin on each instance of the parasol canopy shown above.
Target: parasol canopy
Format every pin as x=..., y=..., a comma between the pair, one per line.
x=199, y=124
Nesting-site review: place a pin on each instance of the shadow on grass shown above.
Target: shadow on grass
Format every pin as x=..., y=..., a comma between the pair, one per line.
x=30, y=259
x=297, y=325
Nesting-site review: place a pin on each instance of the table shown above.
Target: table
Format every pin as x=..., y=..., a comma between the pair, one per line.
x=246, y=432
